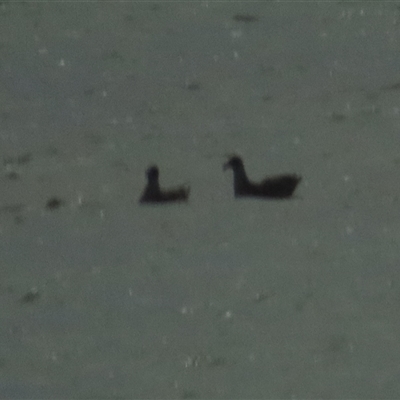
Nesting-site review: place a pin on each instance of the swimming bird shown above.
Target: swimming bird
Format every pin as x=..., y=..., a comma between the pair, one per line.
x=278, y=187
x=153, y=193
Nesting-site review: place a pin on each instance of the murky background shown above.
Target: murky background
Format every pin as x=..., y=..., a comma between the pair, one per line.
x=219, y=298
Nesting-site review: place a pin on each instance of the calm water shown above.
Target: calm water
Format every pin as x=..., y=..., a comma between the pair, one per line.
x=102, y=298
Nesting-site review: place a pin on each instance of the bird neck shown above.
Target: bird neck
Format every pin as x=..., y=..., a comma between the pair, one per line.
x=154, y=184
x=240, y=179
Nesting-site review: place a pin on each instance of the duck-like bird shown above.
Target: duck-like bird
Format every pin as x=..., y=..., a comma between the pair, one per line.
x=153, y=193
x=278, y=187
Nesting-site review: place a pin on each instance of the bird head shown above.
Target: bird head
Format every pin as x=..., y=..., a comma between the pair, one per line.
x=152, y=173
x=234, y=162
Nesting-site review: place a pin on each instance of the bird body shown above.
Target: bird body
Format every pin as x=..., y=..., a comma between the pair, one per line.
x=154, y=194
x=278, y=187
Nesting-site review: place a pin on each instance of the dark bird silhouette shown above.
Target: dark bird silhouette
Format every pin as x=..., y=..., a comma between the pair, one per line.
x=278, y=187
x=153, y=193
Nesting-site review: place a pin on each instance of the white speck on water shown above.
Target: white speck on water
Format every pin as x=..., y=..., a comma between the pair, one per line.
x=61, y=63
x=192, y=361
x=96, y=270
x=228, y=315
x=348, y=14
x=349, y=230
x=236, y=55
x=237, y=33
x=346, y=178
x=43, y=50
x=73, y=34
x=104, y=93
x=130, y=292
x=186, y=310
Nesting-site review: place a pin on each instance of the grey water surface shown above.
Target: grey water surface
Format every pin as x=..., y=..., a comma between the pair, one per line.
x=218, y=298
